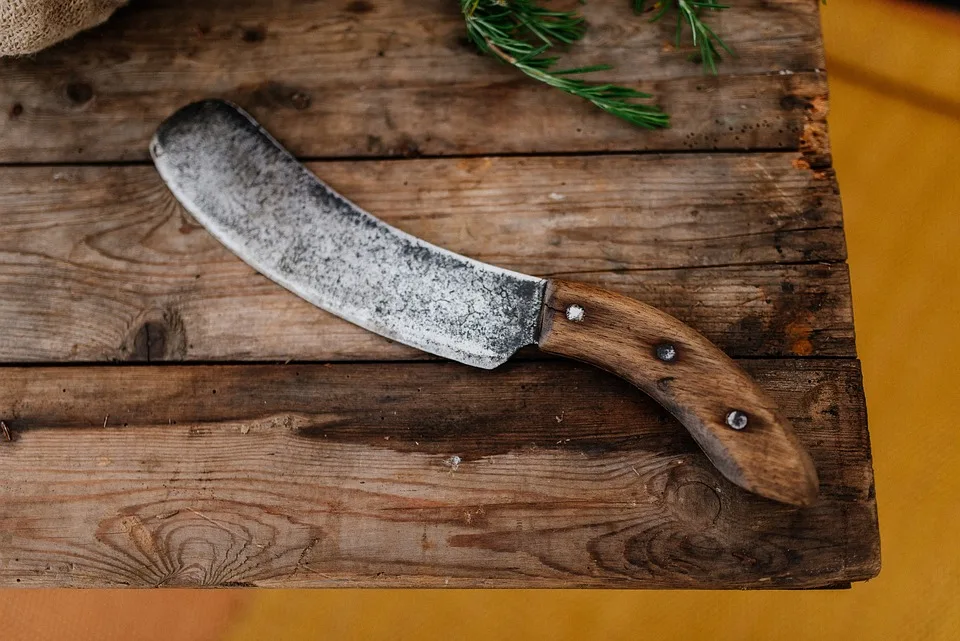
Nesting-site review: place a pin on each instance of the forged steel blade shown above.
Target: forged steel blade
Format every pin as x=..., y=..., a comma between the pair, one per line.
x=260, y=202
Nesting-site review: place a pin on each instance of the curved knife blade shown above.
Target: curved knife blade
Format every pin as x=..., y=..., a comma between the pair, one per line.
x=260, y=202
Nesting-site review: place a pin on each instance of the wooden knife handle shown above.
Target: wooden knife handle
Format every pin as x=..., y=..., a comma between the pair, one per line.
x=733, y=420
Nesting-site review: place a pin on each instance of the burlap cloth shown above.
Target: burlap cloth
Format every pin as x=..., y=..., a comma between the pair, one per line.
x=26, y=26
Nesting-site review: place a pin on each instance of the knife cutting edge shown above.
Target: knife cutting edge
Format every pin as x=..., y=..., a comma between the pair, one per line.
x=259, y=201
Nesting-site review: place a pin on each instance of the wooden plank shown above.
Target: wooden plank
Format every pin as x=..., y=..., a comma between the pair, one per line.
x=396, y=78
x=126, y=274
x=544, y=215
x=430, y=474
x=231, y=313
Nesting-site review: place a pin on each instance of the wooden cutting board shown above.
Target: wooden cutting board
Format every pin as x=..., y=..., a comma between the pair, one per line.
x=178, y=420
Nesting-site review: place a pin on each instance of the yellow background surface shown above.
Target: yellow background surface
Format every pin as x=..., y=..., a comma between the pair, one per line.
x=894, y=72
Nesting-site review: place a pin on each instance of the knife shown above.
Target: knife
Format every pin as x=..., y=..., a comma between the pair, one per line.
x=259, y=201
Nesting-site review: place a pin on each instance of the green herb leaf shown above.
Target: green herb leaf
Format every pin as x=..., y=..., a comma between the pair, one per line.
x=521, y=33
x=689, y=13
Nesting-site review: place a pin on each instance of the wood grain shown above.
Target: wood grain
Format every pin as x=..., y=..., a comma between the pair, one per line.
x=398, y=79
x=541, y=473
x=430, y=474
x=126, y=274
x=691, y=378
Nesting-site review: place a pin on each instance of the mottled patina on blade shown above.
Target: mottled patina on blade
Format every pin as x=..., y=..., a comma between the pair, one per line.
x=260, y=202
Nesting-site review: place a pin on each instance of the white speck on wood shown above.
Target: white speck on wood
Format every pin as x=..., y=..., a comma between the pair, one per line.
x=244, y=429
x=575, y=313
x=453, y=462
x=556, y=196
x=207, y=518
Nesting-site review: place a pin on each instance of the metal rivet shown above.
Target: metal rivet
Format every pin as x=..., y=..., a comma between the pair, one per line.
x=666, y=352
x=737, y=419
x=575, y=313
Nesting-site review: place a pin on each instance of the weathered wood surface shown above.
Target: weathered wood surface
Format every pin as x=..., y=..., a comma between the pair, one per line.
x=346, y=474
x=396, y=78
x=429, y=474
x=127, y=275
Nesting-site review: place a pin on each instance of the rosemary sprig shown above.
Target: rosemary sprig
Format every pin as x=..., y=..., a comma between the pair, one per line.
x=703, y=37
x=522, y=33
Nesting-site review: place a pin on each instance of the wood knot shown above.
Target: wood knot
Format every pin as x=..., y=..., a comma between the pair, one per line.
x=360, y=6
x=150, y=342
x=254, y=34
x=16, y=110
x=695, y=502
x=195, y=542
x=79, y=93
x=159, y=337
